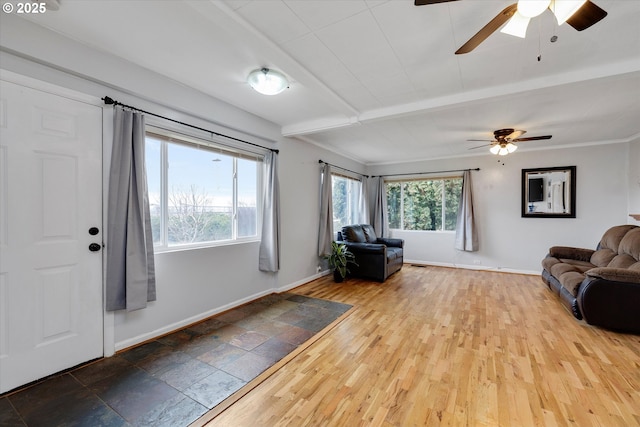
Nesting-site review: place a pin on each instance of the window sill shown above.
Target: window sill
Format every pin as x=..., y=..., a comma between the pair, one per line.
x=394, y=230
x=207, y=245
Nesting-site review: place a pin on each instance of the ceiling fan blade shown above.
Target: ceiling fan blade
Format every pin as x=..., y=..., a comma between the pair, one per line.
x=481, y=146
x=531, y=138
x=586, y=16
x=516, y=134
x=488, y=29
x=482, y=140
x=426, y=2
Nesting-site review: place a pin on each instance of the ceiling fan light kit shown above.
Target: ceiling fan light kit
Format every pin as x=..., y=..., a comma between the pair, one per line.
x=579, y=14
x=503, y=149
x=532, y=8
x=503, y=142
x=564, y=9
x=517, y=26
x=267, y=82
x=527, y=9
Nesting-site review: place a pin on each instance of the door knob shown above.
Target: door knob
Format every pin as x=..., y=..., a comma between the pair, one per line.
x=94, y=247
x=94, y=230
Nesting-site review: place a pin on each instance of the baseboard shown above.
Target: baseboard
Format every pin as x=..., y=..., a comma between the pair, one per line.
x=473, y=267
x=301, y=282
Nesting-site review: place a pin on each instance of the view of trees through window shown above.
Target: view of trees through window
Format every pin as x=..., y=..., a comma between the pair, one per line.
x=424, y=204
x=198, y=195
x=346, y=194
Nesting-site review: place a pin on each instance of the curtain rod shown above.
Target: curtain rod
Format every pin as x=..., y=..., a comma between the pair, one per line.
x=110, y=101
x=427, y=173
x=344, y=169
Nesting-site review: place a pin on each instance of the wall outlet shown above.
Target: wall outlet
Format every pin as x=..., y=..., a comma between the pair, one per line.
x=477, y=262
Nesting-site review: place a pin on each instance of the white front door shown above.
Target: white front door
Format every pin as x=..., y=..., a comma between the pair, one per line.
x=51, y=315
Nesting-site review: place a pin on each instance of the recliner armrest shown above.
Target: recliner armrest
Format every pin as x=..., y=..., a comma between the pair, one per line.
x=567, y=252
x=373, y=248
x=615, y=274
x=394, y=243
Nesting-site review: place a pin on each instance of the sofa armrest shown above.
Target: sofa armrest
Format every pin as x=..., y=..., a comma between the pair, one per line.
x=615, y=274
x=372, y=248
x=387, y=241
x=567, y=252
x=610, y=304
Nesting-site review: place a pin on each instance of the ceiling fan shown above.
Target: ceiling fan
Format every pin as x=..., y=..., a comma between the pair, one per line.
x=503, y=142
x=580, y=14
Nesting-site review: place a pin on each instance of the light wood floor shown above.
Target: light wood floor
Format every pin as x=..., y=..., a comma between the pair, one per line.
x=445, y=347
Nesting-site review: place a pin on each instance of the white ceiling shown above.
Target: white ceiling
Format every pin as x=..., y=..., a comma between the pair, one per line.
x=378, y=80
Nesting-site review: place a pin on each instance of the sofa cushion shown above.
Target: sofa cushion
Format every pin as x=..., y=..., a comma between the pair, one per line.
x=548, y=262
x=616, y=274
x=602, y=257
x=571, y=253
x=353, y=233
x=571, y=264
x=612, y=237
x=630, y=244
x=622, y=261
x=571, y=281
x=564, y=267
x=369, y=233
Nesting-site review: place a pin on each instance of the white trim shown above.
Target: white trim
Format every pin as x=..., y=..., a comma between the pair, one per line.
x=472, y=267
x=301, y=282
x=22, y=80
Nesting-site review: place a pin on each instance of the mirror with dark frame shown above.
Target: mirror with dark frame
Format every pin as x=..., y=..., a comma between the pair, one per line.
x=549, y=192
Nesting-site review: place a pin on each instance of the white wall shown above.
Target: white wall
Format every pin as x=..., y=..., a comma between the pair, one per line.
x=300, y=206
x=634, y=180
x=508, y=241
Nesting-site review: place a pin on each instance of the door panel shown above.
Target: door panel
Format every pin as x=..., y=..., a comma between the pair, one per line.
x=51, y=315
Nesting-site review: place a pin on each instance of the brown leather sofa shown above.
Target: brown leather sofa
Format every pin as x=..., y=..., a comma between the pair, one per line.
x=603, y=285
x=377, y=257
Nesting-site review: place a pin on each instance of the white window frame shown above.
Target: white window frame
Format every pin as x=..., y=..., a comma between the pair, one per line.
x=195, y=140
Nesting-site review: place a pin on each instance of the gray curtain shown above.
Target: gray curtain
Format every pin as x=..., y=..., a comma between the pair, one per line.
x=379, y=214
x=466, y=232
x=269, y=256
x=130, y=277
x=325, y=230
x=363, y=202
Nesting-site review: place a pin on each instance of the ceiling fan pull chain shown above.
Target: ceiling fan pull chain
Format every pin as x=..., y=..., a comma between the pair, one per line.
x=539, y=40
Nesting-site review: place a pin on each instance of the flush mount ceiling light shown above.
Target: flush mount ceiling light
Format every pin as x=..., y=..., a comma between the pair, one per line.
x=268, y=82
x=527, y=9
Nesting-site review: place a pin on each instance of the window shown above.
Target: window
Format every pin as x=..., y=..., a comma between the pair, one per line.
x=424, y=205
x=200, y=195
x=346, y=198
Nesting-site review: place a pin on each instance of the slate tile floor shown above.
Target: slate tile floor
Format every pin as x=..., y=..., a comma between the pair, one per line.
x=175, y=379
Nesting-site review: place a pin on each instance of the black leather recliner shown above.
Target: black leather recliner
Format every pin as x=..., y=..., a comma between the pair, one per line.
x=377, y=257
